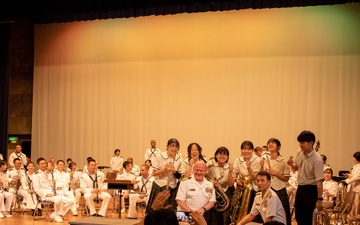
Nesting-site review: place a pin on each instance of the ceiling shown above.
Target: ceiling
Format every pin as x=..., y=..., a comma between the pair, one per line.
x=49, y=11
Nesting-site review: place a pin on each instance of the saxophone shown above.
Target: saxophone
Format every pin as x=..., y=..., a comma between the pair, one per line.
x=241, y=200
x=222, y=200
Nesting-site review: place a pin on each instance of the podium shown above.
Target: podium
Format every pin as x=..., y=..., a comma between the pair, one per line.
x=120, y=185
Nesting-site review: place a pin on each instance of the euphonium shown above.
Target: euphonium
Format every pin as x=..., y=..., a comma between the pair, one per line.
x=241, y=200
x=340, y=198
x=320, y=218
x=222, y=200
x=18, y=182
x=74, y=182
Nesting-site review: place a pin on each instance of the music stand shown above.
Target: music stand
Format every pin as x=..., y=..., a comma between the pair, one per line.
x=120, y=185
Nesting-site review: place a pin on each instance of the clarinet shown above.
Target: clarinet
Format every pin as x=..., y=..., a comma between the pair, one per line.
x=54, y=183
x=171, y=161
x=29, y=181
x=96, y=185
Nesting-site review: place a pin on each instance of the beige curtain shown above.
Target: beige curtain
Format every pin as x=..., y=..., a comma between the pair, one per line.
x=215, y=78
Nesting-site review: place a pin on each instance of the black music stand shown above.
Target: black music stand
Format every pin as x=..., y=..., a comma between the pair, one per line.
x=120, y=185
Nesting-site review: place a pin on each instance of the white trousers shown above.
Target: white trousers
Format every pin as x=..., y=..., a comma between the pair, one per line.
x=5, y=207
x=104, y=196
x=62, y=204
x=133, y=199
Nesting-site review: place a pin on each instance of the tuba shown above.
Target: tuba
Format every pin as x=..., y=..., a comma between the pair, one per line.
x=222, y=200
x=241, y=200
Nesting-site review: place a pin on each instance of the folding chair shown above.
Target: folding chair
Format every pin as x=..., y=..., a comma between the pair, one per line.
x=48, y=206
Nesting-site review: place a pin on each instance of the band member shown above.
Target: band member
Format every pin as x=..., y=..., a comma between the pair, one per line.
x=222, y=174
x=143, y=189
x=62, y=180
x=276, y=165
x=135, y=169
x=93, y=187
x=45, y=188
x=330, y=188
x=126, y=175
x=14, y=176
x=166, y=172
x=248, y=165
x=194, y=155
x=17, y=154
x=4, y=194
x=266, y=203
x=75, y=176
x=28, y=186
x=196, y=194
x=116, y=162
x=152, y=152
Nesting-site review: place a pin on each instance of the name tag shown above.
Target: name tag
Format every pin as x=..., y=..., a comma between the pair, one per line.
x=191, y=189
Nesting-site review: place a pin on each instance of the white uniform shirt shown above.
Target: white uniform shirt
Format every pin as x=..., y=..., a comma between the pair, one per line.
x=5, y=181
x=62, y=180
x=144, y=185
x=196, y=194
x=116, y=163
x=135, y=170
x=268, y=205
x=87, y=181
x=1, y=157
x=159, y=162
x=151, y=153
x=278, y=164
x=27, y=182
x=332, y=187
x=126, y=176
x=12, y=173
x=15, y=155
x=354, y=178
x=220, y=174
x=241, y=168
x=43, y=184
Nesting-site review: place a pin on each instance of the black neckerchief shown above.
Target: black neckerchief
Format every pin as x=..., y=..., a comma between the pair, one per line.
x=95, y=182
x=144, y=185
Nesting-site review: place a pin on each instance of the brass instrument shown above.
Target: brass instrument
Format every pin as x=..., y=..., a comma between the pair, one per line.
x=74, y=182
x=240, y=202
x=222, y=200
x=340, y=198
x=18, y=182
x=320, y=218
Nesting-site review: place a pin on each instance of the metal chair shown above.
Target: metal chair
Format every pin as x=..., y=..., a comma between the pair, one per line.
x=342, y=210
x=47, y=208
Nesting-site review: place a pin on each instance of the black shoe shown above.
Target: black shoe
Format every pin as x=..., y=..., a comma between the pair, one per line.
x=39, y=213
x=94, y=214
x=33, y=212
x=131, y=218
x=99, y=215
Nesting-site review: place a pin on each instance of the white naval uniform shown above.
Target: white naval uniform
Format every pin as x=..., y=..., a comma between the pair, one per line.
x=78, y=191
x=330, y=190
x=135, y=170
x=14, y=174
x=63, y=181
x=196, y=194
x=43, y=185
x=151, y=154
x=124, y=176
x=241, y=170
x=27, y=184
x=5, y=195
x=15, y=155
x=88, y=183
x=268, y=205
x=116, y=163
x=144, y=187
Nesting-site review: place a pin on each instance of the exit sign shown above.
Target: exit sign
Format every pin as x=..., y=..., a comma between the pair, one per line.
x=13, y=139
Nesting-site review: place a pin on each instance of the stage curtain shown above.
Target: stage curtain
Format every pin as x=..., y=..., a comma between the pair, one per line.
x=215, y=78
x=5, y=32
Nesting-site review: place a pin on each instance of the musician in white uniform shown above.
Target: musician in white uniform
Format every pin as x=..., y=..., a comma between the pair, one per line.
x=28, y=187
x=75, y=176
x=63, y=184
x=266, y=203
x=17, y=154
x=152, y=152
x=45, y=188
x=15, y=175
x=144, y=185
x=126, y=175
x=330, y=188
x=93, y=186
x=4, y=184
x=116, y=162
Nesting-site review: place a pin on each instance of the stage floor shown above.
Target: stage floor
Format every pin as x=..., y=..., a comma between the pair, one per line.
x=104, y=221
